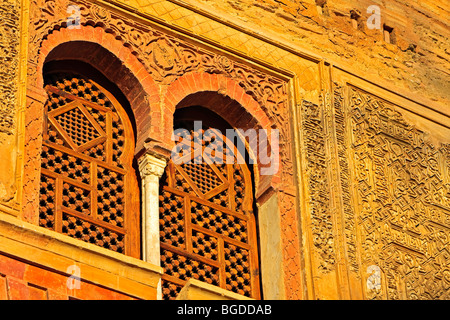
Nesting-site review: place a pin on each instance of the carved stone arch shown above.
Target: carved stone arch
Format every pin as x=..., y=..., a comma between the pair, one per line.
x=277, y=221
x=208, y=214
x=117, y=63
x=228, y=99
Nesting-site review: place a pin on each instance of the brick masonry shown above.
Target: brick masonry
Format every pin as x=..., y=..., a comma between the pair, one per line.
x=23, y=281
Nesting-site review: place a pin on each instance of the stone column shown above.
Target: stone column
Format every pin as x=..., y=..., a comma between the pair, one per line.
x=151, y=169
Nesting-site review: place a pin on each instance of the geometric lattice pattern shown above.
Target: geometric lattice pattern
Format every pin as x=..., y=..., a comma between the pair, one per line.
x=170, y=290
x=205, y=245
x=239, y=187
x=89, y=232
x=207, y=227
x=76, y=198
x=65, y=164
x=237, y=269
x=77, y=126
x=172, y=225
x=217, y=221
x=47, y=201
x=110, y=196
x=184, y=268
x=83, y=179
x=202, y=175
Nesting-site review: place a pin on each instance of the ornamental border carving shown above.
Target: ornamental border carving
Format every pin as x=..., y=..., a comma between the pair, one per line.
x=402, y=190
x=9, y=57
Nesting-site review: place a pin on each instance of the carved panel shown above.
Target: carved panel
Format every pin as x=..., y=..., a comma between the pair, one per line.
x=9, y=63
x=318, y=185
x=402, y=189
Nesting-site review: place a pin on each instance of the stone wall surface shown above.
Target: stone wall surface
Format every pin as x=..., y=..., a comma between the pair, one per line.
x=23, y=281
x=36, y=264
x=9, y=64
x=361, y=206
x=417, y=62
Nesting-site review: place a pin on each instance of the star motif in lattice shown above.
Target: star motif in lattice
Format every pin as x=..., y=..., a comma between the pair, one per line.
x=77, y=126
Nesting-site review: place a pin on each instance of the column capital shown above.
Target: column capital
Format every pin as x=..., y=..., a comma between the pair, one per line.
x=151, y=166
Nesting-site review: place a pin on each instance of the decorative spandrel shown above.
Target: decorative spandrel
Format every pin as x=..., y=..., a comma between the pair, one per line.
x=86, y=168
x=207, y=226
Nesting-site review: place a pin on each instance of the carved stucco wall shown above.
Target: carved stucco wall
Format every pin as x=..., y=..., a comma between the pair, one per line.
x=374, y=186
x=401, y=189
x=387, y=210
x=9, y=73
x=9, y=58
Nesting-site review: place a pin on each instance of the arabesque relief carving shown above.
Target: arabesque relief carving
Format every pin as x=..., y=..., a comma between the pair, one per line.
x=9, y=64
x=166, y=58
x=402, y=186
x=344, y=177
x=9, y=86
x=318, y=184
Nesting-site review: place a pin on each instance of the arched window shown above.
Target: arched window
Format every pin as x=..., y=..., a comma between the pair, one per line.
x=207, y=222
x=88, y=189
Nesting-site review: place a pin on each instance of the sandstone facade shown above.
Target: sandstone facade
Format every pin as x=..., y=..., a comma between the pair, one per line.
x=360, y=208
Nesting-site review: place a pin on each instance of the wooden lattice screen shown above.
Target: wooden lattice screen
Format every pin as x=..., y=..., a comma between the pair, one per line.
x=207, y=226
x=88, y=187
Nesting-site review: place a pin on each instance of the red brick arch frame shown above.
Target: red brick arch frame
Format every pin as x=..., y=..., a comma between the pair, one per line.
x=117, y=62
x=241, y=111
x=120, y=66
